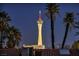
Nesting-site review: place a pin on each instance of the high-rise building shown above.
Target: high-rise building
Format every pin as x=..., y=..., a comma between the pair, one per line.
x=40, y=40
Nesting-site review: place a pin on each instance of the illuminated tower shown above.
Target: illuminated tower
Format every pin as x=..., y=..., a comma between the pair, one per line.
x=40, y=43
x=40, y=22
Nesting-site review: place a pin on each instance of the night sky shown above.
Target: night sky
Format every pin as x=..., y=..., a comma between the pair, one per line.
x=25, y=16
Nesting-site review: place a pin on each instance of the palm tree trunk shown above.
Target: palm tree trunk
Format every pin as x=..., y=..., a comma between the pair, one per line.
x=17, y=43
x=52, y=30
x=65, y=36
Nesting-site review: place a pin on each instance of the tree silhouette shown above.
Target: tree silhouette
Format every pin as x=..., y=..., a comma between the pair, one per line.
x=75, y=45
x=4, y=20
x=8, y=31
x=69, y=21
x=52, y=10
x=14, y=36
x=77, y=26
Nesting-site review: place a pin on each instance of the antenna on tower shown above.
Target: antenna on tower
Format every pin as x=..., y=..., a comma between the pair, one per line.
x=39, y=14
x=39, y=11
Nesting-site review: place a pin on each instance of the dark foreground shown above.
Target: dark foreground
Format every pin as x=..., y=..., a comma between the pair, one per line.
x=38, y=52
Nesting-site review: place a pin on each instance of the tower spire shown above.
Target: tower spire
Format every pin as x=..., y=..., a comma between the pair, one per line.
x=40, y=18
x=39, y=12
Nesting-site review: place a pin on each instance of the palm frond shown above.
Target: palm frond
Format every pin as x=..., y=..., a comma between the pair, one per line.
x=52, y=8
x=69, y=18
x=77, y=23
x=77, y=33
x=75, y=26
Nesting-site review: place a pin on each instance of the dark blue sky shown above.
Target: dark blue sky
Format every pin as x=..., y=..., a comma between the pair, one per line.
x=25, y=16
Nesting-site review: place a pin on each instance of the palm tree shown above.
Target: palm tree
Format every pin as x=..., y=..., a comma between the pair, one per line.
x=8, y=31
x=17, y=35
x=77, y=26
x=75, y=45
x=69, y=21
x=4, y=19
x=14, y=37
x=10, y=36
x=52, y=10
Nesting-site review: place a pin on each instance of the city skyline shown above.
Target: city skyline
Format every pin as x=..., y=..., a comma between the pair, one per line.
x=25, y=16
